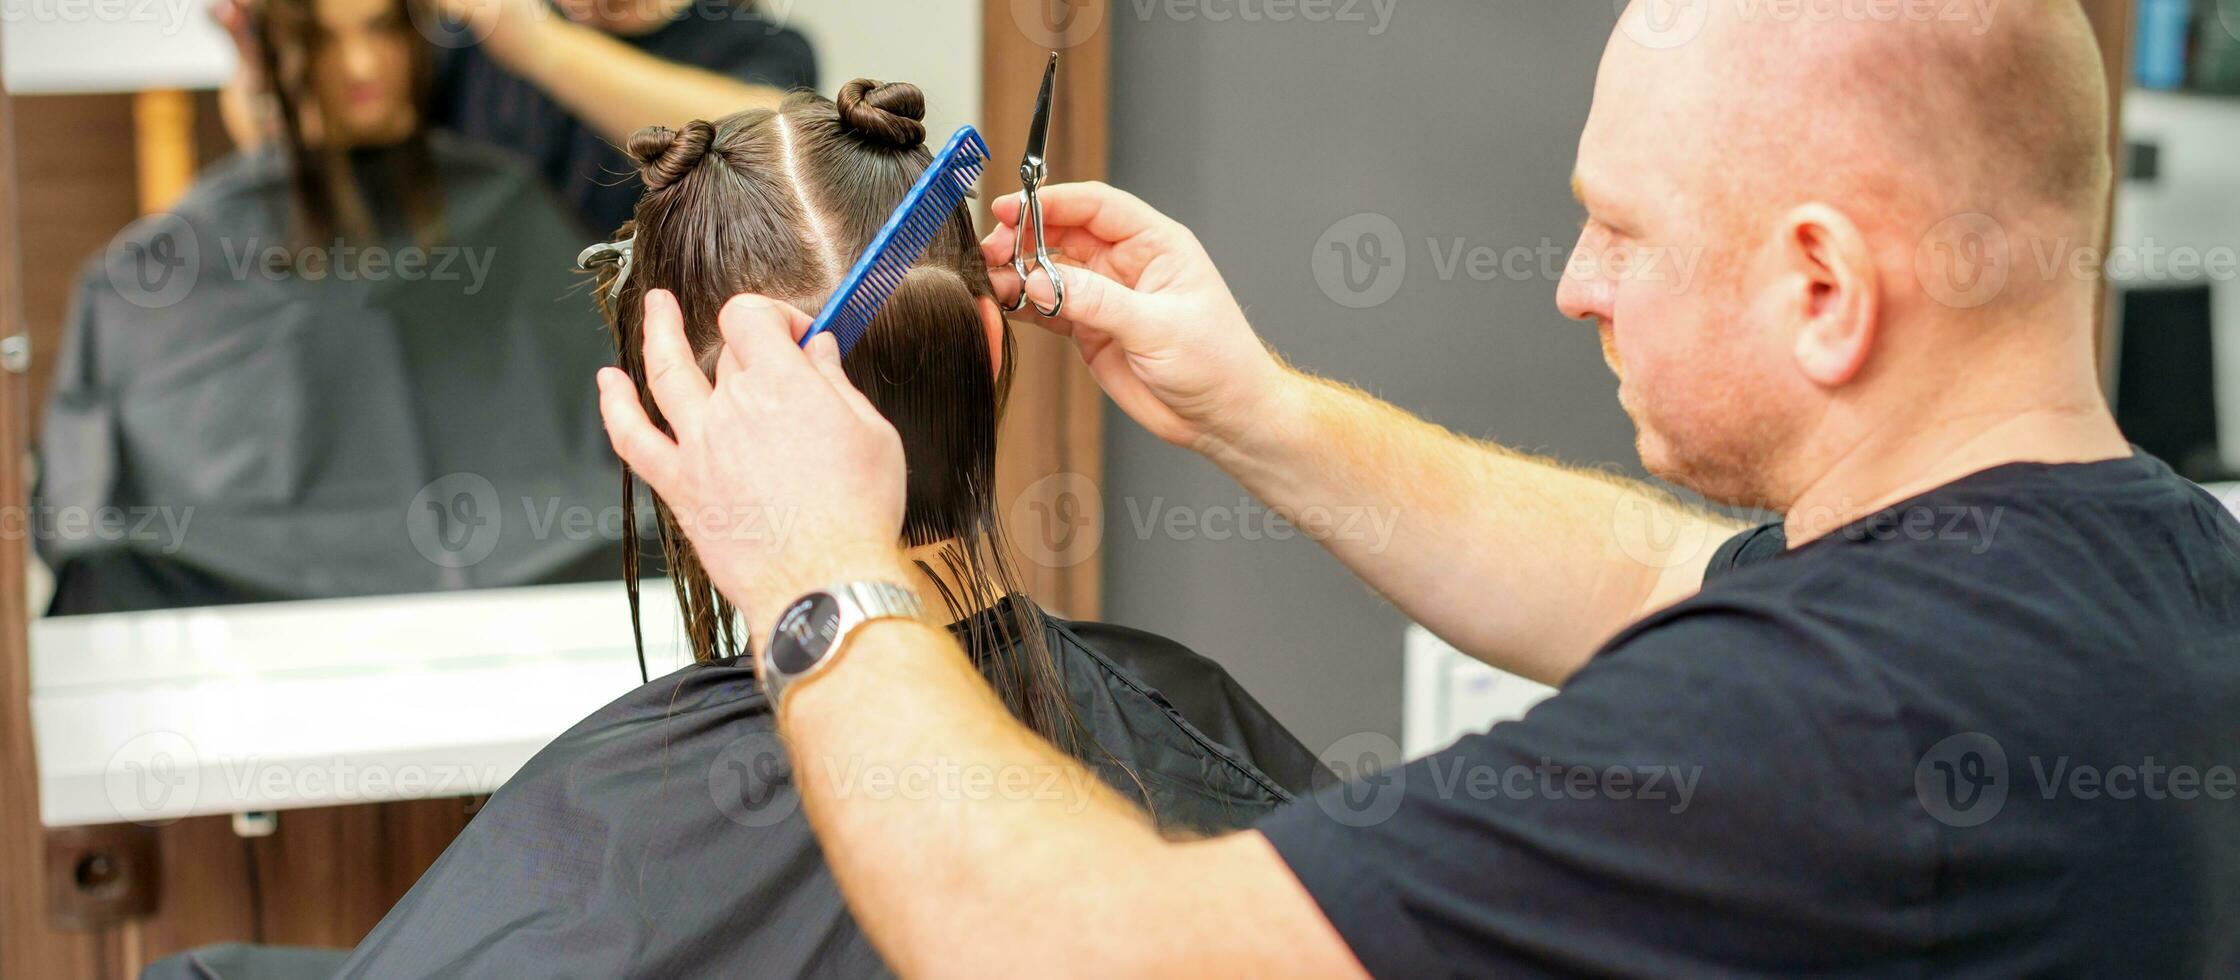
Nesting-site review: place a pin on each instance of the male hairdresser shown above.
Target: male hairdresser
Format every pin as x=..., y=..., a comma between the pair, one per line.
x=1973, y=708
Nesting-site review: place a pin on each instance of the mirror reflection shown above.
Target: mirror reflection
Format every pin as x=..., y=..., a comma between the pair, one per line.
x=314, y=329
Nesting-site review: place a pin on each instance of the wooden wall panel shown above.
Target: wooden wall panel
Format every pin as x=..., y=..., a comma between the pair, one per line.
x=1053, y=433
x=75, y=154
x=28, y=948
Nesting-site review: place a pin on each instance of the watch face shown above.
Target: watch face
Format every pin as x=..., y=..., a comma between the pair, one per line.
x=804, y=633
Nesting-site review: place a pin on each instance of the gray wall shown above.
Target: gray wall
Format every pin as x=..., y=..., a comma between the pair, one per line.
x=1459, y=121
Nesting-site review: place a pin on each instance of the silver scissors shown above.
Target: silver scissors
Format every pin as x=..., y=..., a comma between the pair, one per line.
x=1031, y=171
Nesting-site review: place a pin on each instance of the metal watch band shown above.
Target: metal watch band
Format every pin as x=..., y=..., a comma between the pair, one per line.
x=859, y=602
x=875, y=599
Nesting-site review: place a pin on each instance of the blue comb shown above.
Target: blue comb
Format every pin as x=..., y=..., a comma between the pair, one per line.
x=930, y=204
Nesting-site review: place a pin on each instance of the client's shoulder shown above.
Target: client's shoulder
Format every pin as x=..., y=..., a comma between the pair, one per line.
x=1197, y=689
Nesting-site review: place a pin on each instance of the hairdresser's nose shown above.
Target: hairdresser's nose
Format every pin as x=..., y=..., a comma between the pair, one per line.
x=1584, y=293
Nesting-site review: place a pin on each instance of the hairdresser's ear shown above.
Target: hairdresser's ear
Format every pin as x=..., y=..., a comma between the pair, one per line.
x=1831, y=293
x=991, y=320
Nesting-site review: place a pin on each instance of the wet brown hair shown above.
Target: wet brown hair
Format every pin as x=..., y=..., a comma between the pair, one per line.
x=329, y=196
x=782, y=202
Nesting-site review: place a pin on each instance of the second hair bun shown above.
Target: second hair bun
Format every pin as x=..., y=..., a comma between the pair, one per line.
x=883, y=113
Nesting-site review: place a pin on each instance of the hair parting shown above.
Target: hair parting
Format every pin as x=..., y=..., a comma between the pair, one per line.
x=773, y=202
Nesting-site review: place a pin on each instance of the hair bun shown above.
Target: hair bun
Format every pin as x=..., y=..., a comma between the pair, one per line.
x=665, y=155
x=884, y=113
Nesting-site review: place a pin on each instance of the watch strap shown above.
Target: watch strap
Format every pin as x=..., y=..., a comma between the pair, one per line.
x=858, y=602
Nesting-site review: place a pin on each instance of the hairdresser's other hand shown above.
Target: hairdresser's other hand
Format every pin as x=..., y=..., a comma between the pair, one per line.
x=508, y=28
x=242, y=107
x=783, y=475
x=1149, y=312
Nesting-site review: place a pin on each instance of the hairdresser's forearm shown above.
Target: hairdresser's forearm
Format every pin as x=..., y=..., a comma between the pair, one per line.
x=936, y=877
x=966, y=844
x=617, y=88
x=241, y=110
x=1515, y=559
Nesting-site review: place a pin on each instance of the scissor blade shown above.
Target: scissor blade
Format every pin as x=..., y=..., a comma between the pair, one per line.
x=1038, y=134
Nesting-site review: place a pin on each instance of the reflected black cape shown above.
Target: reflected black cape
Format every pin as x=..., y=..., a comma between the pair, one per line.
x=271, y=431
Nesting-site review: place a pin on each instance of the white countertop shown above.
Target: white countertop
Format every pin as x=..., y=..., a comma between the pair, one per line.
x=150, y=717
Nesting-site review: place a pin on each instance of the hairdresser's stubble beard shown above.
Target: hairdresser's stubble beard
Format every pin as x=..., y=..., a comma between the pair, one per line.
x=1725, y=445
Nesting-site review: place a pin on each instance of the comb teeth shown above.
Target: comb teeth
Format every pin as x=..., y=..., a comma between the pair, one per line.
x=899, y=243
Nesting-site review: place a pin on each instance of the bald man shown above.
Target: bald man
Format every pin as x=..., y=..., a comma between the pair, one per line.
x=1972, y=708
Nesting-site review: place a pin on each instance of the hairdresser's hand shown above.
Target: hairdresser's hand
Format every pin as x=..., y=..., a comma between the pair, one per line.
x=242, y=105
x=1148, y=310
x=783, y=476
x=508, y=29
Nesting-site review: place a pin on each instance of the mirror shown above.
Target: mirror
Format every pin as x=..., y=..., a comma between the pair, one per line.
x=319, y=469
x=353, y=369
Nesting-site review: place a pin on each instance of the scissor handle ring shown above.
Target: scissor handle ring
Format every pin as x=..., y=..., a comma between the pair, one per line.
x=1033, y=208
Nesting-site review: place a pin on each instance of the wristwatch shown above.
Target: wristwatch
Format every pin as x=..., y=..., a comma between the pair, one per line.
x=810, y=632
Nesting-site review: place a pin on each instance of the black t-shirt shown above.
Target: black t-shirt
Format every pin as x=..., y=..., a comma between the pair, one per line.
x=476, y=97
x=1992, y=730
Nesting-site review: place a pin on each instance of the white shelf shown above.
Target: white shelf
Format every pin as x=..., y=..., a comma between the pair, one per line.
x=150, y=717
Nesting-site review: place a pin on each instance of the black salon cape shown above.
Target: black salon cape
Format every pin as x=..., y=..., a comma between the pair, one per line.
x=276, y=433
x=662, y=837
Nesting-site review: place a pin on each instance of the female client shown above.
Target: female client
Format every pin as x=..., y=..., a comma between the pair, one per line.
x=662, y=836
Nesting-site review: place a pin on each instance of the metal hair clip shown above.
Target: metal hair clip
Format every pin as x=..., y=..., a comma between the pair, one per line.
x=1031, y=171
x=623, y=248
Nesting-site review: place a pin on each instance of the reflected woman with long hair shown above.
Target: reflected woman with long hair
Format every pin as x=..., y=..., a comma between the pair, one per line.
x=345, y=363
